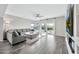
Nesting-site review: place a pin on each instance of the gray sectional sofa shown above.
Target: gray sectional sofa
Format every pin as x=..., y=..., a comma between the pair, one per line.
x=19, y=35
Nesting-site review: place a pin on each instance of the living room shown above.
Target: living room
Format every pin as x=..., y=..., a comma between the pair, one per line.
x=29, y=26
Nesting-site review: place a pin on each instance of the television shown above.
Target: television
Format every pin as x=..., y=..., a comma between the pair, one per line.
x=69, y=19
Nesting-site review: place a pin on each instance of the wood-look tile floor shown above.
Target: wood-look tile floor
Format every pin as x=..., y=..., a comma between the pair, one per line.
x=52, y=45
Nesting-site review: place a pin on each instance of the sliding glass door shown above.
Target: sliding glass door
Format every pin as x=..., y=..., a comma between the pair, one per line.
x=51, y=28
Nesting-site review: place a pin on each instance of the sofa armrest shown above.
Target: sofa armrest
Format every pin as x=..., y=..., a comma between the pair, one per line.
x=9, y=37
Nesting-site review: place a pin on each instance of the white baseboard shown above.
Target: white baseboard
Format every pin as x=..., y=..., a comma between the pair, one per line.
x=1, y=40
x=60, y=35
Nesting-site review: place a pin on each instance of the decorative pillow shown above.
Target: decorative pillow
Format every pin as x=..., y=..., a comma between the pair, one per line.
x=19, y=33
x=15, y=33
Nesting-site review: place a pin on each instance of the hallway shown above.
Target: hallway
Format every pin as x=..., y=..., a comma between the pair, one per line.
x=52, y=45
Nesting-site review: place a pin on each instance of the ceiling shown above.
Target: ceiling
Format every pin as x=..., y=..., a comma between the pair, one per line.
x=29, y=10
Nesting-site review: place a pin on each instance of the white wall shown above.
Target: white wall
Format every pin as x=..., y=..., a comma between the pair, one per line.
x=17, y=22
x=77, y=19
x=77, y=25
x=1, y=29
x=27, y=10
x=77, y=9
x=2, y=11
x=60, y=26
